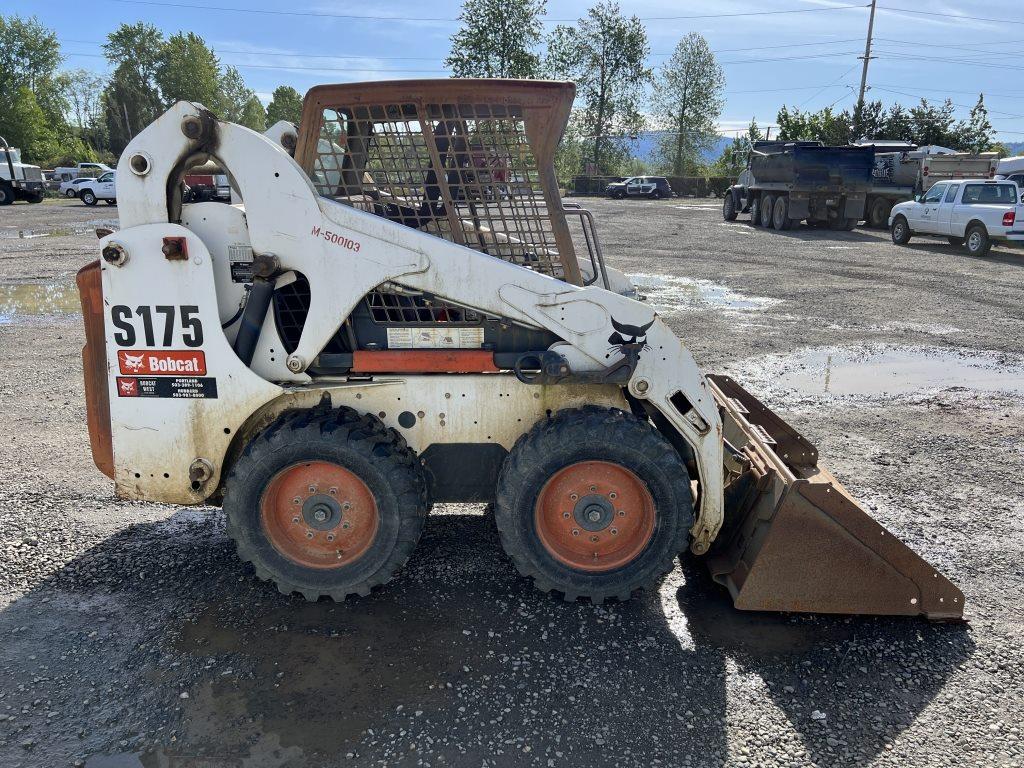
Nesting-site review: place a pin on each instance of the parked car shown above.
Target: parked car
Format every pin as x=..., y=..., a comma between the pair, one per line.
x=73, y=187
x=67, y=173
x=654, y=187
x=103, y=188
x=967, y=212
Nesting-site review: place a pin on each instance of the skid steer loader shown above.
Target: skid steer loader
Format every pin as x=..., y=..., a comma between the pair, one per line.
x=398, y=316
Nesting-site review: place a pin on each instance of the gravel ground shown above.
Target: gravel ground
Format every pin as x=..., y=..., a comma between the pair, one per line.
x=131, y=635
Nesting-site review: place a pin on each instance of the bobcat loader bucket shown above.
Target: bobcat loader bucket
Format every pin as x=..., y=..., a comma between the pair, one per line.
x=795, y=540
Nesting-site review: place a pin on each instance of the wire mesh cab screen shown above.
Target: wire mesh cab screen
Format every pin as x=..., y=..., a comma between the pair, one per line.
x=466, y=160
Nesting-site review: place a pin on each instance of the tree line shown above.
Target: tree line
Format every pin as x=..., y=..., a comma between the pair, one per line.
x=618, y=96
x=63, y=117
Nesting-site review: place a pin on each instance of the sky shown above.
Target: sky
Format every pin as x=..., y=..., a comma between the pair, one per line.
x=809, y=59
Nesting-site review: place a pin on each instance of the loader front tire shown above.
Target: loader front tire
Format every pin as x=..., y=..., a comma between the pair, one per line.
x=595, y=503
x=326, y=503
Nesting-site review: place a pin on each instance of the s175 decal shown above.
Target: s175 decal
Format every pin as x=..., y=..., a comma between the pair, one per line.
x=126, y=322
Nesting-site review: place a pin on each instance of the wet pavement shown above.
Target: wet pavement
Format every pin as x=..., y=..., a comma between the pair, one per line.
x=896, y=371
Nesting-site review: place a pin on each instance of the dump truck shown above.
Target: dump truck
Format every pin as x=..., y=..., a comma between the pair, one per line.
x=368, y=333
x=786, y=182
x=18, y=180
x=904, y=172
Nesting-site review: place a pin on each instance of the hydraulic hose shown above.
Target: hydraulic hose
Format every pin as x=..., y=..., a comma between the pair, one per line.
x=253, y=315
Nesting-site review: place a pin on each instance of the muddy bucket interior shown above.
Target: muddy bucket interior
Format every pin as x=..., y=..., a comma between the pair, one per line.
x=795, y=540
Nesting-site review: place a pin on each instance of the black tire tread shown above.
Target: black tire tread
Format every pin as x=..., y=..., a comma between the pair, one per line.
x=382, y=446
x=597, y=426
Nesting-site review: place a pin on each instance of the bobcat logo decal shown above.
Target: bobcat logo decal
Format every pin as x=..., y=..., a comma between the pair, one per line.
x=629, y=338
x=132, y=363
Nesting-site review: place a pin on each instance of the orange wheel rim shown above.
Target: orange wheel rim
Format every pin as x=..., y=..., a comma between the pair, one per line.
x=319, y=515
x=594, y=516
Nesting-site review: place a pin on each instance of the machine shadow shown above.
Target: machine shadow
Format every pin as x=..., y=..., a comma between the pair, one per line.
x=458, y=657
x=848, y=685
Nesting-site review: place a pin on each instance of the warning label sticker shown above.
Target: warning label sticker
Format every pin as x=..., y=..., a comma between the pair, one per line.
x=188, y=387
x=435, y=338
x=162, y=362
x=241, y=263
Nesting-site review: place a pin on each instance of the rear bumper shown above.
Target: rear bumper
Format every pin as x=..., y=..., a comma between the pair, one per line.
x=94, y=368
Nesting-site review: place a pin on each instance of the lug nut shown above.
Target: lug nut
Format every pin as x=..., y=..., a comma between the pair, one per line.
x=296, y=500
x=346, y=506
x=333, y=491
x=574, y=496
x=346, y=526
x=622, y=513
x=575, y=532
x=593, y=488
x=613, y=495
x=309, y=534
x=565, y=515
x=312, y=489
x=330, y=537
x=595, y=539
x=295, y=519
x=615, y=531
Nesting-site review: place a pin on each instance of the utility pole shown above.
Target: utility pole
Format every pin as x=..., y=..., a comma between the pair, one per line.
x=867, y=56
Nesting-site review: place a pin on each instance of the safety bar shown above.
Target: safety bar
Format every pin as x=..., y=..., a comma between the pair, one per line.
x=593, y=244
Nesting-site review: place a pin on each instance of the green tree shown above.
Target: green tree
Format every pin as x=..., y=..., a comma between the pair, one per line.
x=933, y=124
x=188, y=70
x=732, y=160
x=234, y=100
x=85, y=99
x=825, y=126
x=24, y=124
x=253, y=115
x=688, y=102
x=29, y=55
x=285, y=104
x=497, y=38
x=30, y=85
x=897, y=125
x=975, y=133
x=131, y=100
x=604, y=54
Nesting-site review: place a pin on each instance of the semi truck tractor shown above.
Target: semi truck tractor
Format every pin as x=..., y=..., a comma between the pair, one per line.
x=785, y=183
x=905, y=172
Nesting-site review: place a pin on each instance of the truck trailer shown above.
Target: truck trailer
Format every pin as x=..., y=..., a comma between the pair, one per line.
x=785, y=183
x=906, y=171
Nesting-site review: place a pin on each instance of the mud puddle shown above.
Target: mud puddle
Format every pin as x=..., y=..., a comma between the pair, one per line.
x=896, y=371
x=85, y=228
x=667, y=295
x=24, y=299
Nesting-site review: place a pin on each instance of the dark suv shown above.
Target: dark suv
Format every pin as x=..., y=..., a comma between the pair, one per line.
x=654, y=187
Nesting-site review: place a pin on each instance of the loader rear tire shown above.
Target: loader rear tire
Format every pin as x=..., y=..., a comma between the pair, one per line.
x=595, y=503
x=326, y=503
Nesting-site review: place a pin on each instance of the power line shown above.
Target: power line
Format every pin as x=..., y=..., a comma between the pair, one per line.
x=826, y=87
x=313, y=69
x=952, y=15
x=1018, y=95
x=359, y=17
x=790, y=58
x=265, y=52
x=946, y=60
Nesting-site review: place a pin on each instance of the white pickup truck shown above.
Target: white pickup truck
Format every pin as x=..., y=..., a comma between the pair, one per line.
x=103, y=188
x=966, y=212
